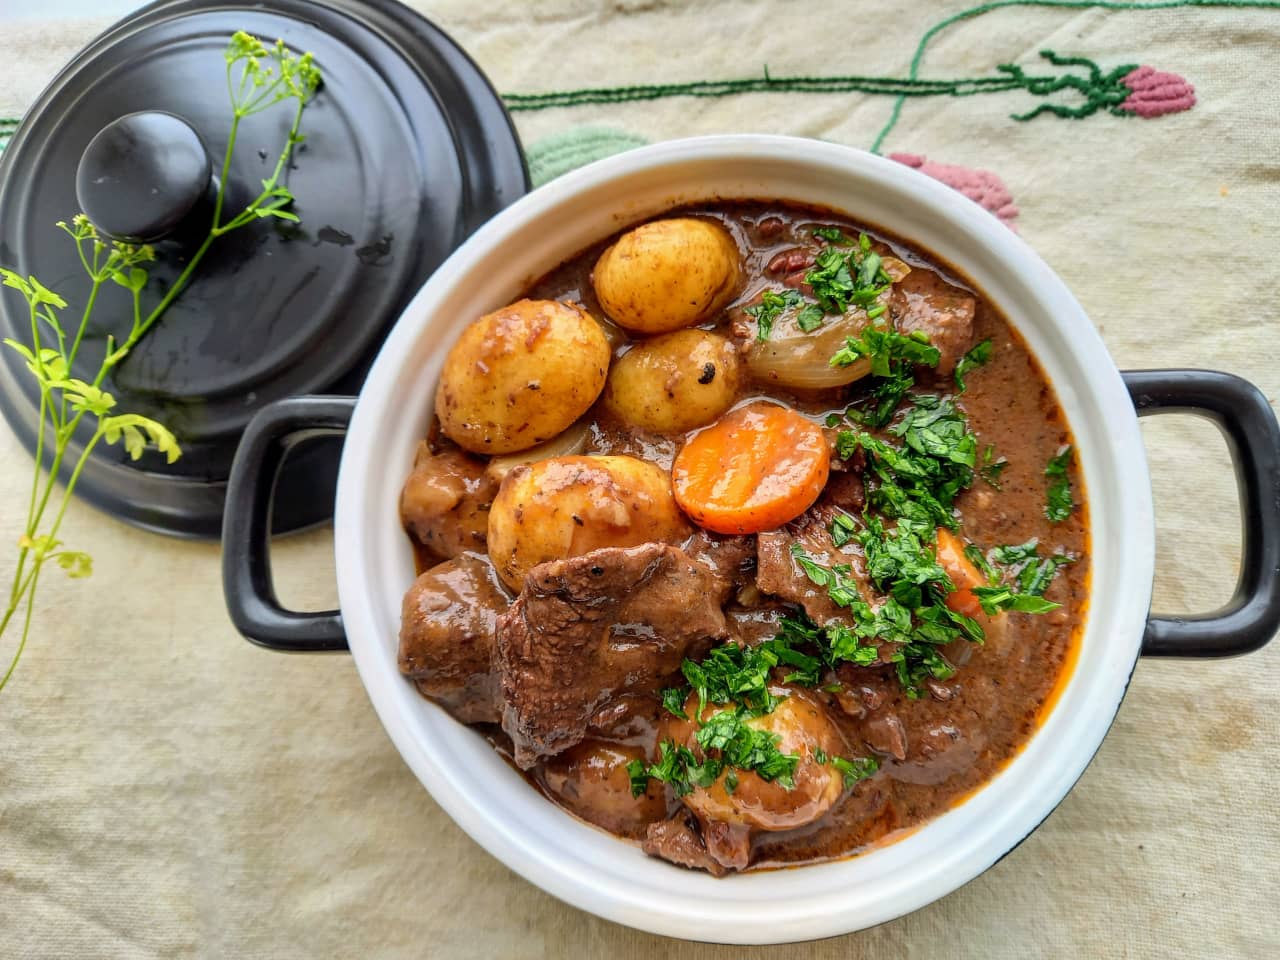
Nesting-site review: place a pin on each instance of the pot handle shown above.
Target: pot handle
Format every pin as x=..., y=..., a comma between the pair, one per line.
x=1248, y=424
x=246, y=524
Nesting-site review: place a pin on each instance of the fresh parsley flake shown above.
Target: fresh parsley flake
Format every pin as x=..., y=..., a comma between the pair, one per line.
x=673, y=699
x=840, y=278
x=770, y=307
x=976, y=357
x=992, y=467
x=843, y=528
x=883, y=347
x=809, y=318
x=832, y=235
x=996, y=599
x=854, y=770
x=1059, y=504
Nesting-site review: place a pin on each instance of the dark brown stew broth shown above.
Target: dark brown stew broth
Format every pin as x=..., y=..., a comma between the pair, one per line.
x=997, y=698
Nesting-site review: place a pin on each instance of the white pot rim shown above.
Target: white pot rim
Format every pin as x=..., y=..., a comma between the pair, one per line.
x=606, y=876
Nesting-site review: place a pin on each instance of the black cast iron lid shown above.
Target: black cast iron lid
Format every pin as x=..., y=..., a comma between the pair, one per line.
x=408, y=150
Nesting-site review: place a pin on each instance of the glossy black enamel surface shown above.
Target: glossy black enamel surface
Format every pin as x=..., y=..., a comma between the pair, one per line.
x=246, y=549
x=141, y=175
x=1248, y=424
x=407, y=151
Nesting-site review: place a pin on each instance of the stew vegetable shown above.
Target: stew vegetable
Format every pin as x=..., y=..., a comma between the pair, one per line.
x=751, y=535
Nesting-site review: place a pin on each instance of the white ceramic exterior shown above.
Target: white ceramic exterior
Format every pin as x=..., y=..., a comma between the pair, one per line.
x=587, y=867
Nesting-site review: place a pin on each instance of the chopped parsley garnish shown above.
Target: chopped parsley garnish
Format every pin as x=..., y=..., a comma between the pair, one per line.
x=851, y=770
x=832, y=235
x=996, y=599
x=885, y=348
x=919, y=481
x=770, y=307
x=809, y=318
x=1009, y=555
x=910, y=634
x=976, y=357
x=1036, y=576
x=843, y=277
x=1024, y=567
x=843, y=527
x=992, y=466
x=855, y=770
x=1059, y=503
x=737, y=678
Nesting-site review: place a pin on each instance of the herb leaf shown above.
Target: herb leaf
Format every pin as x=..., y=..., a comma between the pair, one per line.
x=996, y=599
x=832, y=235
x=770, y=307
x=855, y=770
x=883, y=346
x=1059, y=504
x=976, y=357
x=809, y=318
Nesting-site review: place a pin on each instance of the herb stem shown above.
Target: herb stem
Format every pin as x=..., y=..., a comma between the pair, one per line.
x=222, y=179
x=71, y=482
x=30, y=590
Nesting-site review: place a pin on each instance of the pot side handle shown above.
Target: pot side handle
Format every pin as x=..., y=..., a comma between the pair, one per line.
x=246, y=524
x=1248, y=424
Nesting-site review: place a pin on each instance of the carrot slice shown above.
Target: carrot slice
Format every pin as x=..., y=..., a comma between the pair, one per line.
x=754, y=469
x=962, y=573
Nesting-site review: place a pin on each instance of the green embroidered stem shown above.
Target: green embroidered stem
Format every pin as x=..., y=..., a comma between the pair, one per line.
x=978, y=11
x=764, y=84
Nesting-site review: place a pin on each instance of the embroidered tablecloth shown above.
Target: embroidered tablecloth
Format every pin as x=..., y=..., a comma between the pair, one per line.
x=167, y=790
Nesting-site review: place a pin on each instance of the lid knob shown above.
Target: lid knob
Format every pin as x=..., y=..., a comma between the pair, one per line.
x=141, y=175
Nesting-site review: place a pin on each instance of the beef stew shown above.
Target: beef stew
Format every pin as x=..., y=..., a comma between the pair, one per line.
x=751, y=535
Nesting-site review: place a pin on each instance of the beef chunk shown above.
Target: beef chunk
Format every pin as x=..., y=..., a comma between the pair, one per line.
x=846, y=491
x=778, y=573
x=677, y=842
x=447, y=627
x=886, y=734
x=445, y=502
x=586, y=629
x=755, y=625
x=924, y=301
x=731, y=561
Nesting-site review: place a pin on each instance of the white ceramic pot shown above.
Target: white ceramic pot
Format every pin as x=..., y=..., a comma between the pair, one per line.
x=585, y=866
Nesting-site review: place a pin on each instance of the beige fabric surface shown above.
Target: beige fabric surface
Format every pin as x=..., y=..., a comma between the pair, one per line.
x=168, y=790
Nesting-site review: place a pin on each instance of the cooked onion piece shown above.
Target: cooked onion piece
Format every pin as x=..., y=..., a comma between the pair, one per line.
x=801, y=360
x=573, y=441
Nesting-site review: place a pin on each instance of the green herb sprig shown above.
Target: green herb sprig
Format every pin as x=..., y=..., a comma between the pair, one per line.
x=258, y=77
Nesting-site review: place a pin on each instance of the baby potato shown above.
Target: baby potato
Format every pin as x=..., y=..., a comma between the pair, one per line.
x=803, y=727
x=592, y=780
x=567, y=506
x=668, y=274
x=520, y=375
x=674, y=382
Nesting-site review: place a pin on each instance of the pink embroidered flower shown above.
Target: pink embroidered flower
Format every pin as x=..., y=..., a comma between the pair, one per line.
x=981, y=186
x=1154, y=93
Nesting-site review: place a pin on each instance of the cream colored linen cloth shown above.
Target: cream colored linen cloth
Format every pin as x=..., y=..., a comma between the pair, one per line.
x=168, y=790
